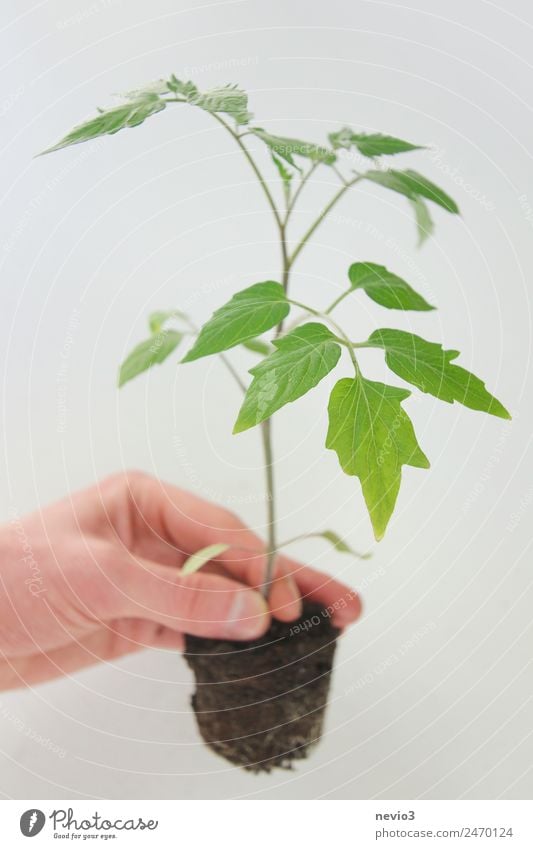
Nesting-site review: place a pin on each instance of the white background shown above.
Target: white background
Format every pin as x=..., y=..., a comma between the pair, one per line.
x=431, y=695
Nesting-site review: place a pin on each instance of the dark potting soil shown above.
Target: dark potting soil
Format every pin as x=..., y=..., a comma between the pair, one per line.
x=261, y=704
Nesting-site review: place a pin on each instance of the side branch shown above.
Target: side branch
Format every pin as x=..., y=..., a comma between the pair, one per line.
x=254, y=166
x=327, y=209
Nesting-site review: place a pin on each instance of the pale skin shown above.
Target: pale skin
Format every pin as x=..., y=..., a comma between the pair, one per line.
x=96, y=576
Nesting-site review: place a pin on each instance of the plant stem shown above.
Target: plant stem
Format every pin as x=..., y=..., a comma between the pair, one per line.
x=286, y=269
x=266, y=433
x=287, y=262
x=306, y=308
x=337, y=301
x=227, y=363
x=302, y=183
x=342, y=336
x=327, y=209
x=341, y=177
x=234, y=373
x=266, y=428
x=254, y=166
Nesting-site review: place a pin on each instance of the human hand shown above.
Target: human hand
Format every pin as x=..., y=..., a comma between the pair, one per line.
x=96, y=576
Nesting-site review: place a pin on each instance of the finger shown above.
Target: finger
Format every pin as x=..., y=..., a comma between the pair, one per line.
x=294, y=581
x=250, y=568
x=183, y=519
x=191, y=523
x=202, y=604
x=284, y=600
x=342, y=602
x=125, y=635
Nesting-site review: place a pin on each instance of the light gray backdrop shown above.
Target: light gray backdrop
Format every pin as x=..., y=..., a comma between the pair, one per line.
x=432, y=689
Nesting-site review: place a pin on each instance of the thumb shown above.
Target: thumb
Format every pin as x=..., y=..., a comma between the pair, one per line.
x=201, y=604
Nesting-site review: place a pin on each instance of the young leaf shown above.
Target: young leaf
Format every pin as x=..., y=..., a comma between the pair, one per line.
x=285, y=175
x=412, y=185
x=157, y=320
x=156, y=87
x=287, y=148
x=258, y=347
x=386, y=288
x=148, y=353
x=429, y=367
x=424, y=223
x=336, y=541
x=200, y=558
x=371, y=144
x=248, y=314
x=333, y=538
x=228, y=99
x=373, y=437
x=186, y=89
x=303, y=357
x=110, y=121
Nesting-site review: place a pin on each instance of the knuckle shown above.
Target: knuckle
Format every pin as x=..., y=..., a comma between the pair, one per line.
x=126, y=486
x=117, y=483
x=135, y=478
x=112, y=481
x=193, y=596
x=230, y=519
x=199, y=603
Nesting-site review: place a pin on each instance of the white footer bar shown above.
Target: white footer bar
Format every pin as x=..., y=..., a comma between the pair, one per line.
x=268, y=824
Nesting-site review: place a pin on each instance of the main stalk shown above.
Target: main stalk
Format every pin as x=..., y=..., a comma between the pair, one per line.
x=266, y=431
x=287, y=262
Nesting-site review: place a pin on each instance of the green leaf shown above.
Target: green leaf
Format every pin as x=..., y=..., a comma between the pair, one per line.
x=158, y=319
x=285, y=175
x=228, y=99
x=149, y=353
x=248, y=314
x=333, y=538
x=110, y=121
x=258, y=347
x=412, y=185
x=338, y=543
x=424, y=223
x=185, y=89
x=303, y=357
x=156, y=87
x=371, y=144
x=287, y=148
x=429, y=367
x=373, y=437
x=200, y=558
x=386, y=288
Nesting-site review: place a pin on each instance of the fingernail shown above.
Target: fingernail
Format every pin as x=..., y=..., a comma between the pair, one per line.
x=294, y=593
x=350, y=614
x=248, y=616
x=285, y=600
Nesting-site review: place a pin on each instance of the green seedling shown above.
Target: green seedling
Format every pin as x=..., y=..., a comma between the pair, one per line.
x=369, y=429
